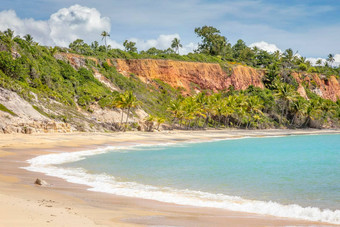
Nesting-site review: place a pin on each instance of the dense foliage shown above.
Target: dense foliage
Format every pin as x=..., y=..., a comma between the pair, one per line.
x=28, y=68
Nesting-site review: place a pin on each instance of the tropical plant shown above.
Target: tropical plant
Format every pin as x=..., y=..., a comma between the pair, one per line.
x=212, y=42
x=176, y=44
x=126, y=101
x=130, y=46
x=330, y=59
x=105, y=34
x=285, y=95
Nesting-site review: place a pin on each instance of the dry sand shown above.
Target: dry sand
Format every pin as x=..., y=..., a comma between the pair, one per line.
x=64, y=204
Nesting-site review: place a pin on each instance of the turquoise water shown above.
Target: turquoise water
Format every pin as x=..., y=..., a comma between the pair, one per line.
x=303, y=170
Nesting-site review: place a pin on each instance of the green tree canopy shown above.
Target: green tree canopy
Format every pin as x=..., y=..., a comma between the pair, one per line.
x=212, y=42
x=130, y=46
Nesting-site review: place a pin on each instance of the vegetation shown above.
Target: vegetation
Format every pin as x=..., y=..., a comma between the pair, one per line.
x=176, y=44
x=4, y=109
x=27, y=68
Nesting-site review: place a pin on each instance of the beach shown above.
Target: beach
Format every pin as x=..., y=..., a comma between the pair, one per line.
x=66, y=204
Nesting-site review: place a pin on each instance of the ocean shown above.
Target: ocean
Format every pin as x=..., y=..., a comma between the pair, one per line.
x=290, y=176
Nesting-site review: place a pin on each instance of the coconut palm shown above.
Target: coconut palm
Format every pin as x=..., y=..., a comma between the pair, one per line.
x=254, y=108
x=176, y=109
x=299, y=108
x=318, y=62
x=127, y=101
x=285, y=96
x=29, y=39
x=330, y=59
x=313, y=111
x=176, y=44
x=159, y=120
x=105, y=35
x=9, y=34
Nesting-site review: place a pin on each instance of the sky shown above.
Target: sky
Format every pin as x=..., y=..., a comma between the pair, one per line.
x=310, y=27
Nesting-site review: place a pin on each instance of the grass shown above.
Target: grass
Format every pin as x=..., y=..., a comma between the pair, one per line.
x=4, y=109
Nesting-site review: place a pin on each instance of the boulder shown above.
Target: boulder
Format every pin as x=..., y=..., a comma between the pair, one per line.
x=41, y=182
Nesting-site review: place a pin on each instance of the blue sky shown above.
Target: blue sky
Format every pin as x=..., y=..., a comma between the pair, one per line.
x=310, y=27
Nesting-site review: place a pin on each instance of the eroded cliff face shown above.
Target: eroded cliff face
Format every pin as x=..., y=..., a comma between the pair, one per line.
x=196, y=76
x=327, y=88
x=190, y=75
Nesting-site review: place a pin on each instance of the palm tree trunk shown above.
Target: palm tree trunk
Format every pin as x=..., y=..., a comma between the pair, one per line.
x=127, y=118
x=121, y=119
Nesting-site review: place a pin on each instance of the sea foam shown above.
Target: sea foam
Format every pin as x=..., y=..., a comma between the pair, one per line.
x=108, y=184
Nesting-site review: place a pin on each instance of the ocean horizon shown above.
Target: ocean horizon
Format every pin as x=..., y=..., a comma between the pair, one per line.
x=289, y=176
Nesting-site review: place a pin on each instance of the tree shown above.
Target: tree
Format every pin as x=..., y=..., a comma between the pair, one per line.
x=105, y=35
x=176, y=44
x=288, y=57
x=285, y=95
x=212, y=42
x=130, y=46
x=330, y=59
x=80, y=46
x=29, y=39
x=94, y=46
x=127, y=101
x=9, y=34
x=318, y=62
x=238, y=47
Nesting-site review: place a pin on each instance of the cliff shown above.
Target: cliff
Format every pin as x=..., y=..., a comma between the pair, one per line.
x=200, y=76
x=327, y=88
x=190, y=75
x=197, y=76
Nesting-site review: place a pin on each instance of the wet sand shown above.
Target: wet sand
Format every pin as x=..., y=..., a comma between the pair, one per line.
x=65, y=204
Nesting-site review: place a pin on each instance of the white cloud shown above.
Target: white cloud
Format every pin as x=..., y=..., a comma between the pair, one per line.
x=78, y=22
x=188, y=48
x=38, y=29
x=314, y=60
x=337, y=59
x=335, y=63
x=69, y=24
x=162, y=42
x=266, y=46
x=63, y=27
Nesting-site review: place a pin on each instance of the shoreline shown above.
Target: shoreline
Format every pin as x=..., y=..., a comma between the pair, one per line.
x=95, y=208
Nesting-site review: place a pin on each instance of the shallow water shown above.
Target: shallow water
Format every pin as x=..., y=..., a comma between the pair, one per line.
x=281, y=176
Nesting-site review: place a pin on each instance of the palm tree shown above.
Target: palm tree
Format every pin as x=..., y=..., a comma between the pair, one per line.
x=313, y=111
x=176, y=109
x=128, y=101
x=330, y=59
x=9, y=34
x=29, y=39
x=318, y=62
x=286, y=94
x=299, y=109
x=254, y=108
x=159, y=120
x=105, y=35
x=176, y=44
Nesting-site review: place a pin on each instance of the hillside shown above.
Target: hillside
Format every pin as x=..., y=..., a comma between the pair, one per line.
x=51, y=90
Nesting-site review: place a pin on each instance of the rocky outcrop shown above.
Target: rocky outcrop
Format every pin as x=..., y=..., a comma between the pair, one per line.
x=26, y=119
x=190, y=75
x=327, y=88
x=104, y=81
x=75, y=60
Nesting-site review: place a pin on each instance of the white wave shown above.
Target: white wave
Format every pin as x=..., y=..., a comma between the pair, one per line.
x=108, y=184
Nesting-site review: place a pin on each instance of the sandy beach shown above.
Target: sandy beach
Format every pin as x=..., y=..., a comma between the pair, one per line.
x=22, y=203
